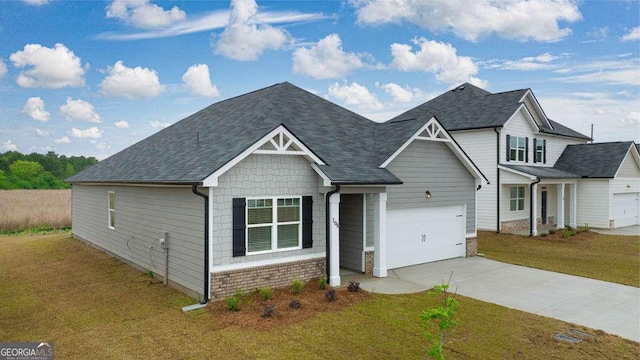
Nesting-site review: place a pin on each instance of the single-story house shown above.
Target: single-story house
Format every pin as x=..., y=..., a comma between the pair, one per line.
x=279, y=184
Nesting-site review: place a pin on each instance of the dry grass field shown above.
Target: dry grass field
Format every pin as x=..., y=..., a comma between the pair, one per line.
x=28, y=209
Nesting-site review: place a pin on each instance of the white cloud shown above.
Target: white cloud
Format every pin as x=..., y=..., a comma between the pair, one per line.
x=3, y=68
x=403, y=94
x=42, y=133
x=143, y=14
x=159, y=124
x=529, y=63
x=90, y=133
x=79, y=110
x=121, y=124
x=633, y=34
x=355, y=95
x=132, y=83
x=52, y=68
x=517, y=20
x=246, y=37
x=198, y=80
x=326, y=59
x=34, y=108
x=9, y=146
x=437, y=58
x=619, y=71
x=615, y=117
x=102, y=146
x=62, y=140
x=36, y=2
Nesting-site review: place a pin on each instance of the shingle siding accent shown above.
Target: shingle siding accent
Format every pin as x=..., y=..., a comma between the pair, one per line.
x=142, y=214
x=264, y=175
x=226, y=283
x=430, y=165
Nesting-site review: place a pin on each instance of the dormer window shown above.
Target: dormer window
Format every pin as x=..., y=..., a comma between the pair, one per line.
x=517, y=148
x=540, y=147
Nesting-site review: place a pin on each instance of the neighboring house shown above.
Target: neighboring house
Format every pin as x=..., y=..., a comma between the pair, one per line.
x=523, y=153
x=294, y=186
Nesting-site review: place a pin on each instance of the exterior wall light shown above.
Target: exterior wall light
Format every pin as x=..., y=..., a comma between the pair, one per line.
x=428, y=193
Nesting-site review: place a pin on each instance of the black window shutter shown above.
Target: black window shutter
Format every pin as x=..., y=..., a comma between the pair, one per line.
x=526, y=150
x=535, y=150
x=544, y=151
x=508, y=147
x=307, y=222
x=239, y=225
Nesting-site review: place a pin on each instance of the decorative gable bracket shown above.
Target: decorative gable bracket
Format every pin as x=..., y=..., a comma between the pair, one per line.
x=280, y=141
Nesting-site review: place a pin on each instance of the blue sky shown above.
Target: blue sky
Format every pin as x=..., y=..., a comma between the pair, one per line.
x=93, y=77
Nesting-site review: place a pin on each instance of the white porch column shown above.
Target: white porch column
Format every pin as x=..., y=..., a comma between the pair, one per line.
x=573, y=208
x=534, y=210
x=380, y=235
x=560, y=210
x=334, y=239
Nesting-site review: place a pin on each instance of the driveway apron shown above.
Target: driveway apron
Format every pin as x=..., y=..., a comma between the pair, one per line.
x=610, y=307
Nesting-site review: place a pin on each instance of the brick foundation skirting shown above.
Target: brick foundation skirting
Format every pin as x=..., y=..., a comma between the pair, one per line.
x=368, y=262
x=472, y=246
x=226, y=283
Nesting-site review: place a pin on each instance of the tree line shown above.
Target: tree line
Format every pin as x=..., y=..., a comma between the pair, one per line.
x=39, y=171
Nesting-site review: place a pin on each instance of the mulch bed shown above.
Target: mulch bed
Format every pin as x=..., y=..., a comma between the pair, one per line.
x=579, y=236
x=312, y=300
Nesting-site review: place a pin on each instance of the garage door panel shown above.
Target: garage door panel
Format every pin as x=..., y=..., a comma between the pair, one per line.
x=626, y=209
x=416, y=236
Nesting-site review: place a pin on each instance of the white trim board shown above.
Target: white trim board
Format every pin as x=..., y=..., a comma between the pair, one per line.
x=252, y=264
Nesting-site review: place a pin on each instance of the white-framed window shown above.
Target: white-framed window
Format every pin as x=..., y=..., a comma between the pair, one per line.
x=112, y=209
x=273, y=224
x=517, y=148
x=516, y=198
x=540, y=151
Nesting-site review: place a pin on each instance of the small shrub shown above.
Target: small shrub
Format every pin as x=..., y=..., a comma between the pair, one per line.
x=266, y=293
x=568, y=228
x=331, y=295
x=149, y=273
x=552, y=231
x=543, y=234
x=443, y=317
x=232, y=303
x=584, y=228
x=241, y=293
x=322, y=283
x=573, y=233
x=297, y=286
x=269, y=311
x=353, y=286
x=295, y=304
x=565, y=234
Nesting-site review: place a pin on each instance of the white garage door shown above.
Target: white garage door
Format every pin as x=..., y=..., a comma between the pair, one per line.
x=416, y=236
x=625, y=209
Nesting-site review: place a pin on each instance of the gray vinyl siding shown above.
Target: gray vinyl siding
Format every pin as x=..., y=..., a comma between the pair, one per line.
x=264, y=175
x=141, y=215
x=351, y=228
x=430, y=165
x=370, y=217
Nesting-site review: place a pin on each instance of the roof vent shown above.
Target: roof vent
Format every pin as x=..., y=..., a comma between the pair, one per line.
x=461, y=87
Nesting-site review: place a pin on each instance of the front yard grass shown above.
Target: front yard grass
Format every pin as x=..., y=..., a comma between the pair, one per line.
x=598, y=256
x=90, y=305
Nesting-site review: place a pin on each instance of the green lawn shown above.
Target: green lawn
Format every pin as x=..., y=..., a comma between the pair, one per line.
x=56, y=289
x=597, y=256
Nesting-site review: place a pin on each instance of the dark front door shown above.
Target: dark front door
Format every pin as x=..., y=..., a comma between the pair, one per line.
x=543, y=210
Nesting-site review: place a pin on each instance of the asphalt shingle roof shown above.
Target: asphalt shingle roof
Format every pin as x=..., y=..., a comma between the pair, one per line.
x=597, y=160
x=544, y=172
x=470, y=107
x=344, y=140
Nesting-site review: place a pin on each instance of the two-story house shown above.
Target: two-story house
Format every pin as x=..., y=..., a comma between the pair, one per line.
x=540, y=172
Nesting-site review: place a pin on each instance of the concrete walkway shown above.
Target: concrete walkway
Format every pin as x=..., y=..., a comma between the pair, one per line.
x=610, y=307
x=633, y=230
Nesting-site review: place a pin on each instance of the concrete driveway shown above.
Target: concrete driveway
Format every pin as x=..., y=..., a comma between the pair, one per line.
x=610, y=307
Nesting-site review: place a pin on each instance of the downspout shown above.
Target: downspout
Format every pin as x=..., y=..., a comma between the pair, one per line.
x=327, y=228
x=497, y=179
x=531, y=205
x=205, y=289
